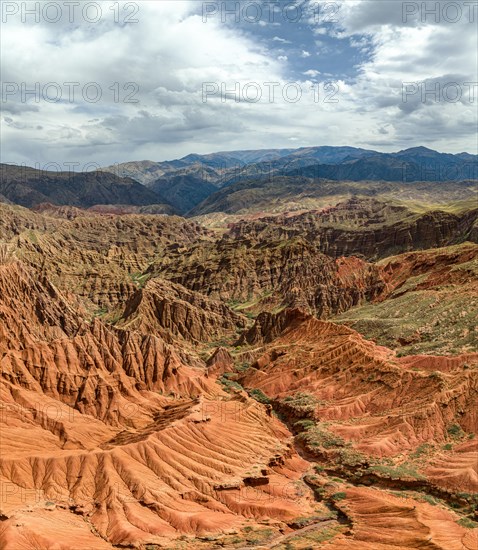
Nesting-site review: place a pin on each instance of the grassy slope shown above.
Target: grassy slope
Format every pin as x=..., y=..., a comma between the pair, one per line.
x=441, y=319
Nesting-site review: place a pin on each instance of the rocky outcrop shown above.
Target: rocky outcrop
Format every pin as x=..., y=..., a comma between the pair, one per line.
x=154, y=421
x=100, y=257
x=48, y=348
x=269, y=326
x=174, y=312
x=275, y=274
x=380, y=405
x=114, y=426
x=364, y=227
x=220, y=362
x=429, y=304
x=382, y=521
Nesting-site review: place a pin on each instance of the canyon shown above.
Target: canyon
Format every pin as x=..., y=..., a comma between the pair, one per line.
x=298, y=376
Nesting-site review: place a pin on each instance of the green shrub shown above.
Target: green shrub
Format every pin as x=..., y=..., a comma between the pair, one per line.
x=455, y=431
x=259, y=396
x=395, y=472
x=428, y=498
x=242, y=367
x=303, y=402
x=421, y=450
x=351, y=457
x=303, y=425
x=229, y=385
x=468, y=523
x=320, y=436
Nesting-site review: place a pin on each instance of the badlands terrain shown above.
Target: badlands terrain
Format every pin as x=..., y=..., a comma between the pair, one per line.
x=293, y=365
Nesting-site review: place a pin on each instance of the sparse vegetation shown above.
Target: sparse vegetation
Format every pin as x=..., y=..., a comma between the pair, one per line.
x=302, y=425
x=140, y=279
x=259, y=396
x=229, y=385
x=428, y=498
x=421, y=450
x=468, y=523
x=208, y=445
x=455, y=431
x=6, y=253
x=395, y=472
x=302, y=402
x=422, y=320
x=319, y=436
x=348, y=456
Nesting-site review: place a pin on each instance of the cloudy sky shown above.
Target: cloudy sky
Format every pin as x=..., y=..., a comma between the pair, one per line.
x=109, y=82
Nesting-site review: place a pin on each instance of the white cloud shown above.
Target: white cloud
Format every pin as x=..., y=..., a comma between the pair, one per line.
x=312, y=73
x=171, y=54
x=281, y=40
x=412, y=51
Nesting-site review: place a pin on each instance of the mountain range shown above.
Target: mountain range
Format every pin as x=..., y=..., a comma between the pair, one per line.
x=201, y=183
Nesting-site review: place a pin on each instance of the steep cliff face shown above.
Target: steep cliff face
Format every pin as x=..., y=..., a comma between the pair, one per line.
x=268, y=327
x=49, y=349
x=383, y=521
x=364, y=227
x=32, y=309
x=174, y=312
x=116, y=428
x=361, y=398
x=276, y=274
x=100, y=257
x=15, y=219
x=309, y=260
x=154, y=420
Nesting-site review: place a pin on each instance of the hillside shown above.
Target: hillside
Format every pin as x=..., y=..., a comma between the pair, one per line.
x=291, y=193
x=29, y=187
x=267, y=178
x=431, y=302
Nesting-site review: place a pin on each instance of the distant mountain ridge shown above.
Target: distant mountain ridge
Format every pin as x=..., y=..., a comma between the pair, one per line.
x=30, y=187
x=183, y=185
x=187, y=182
